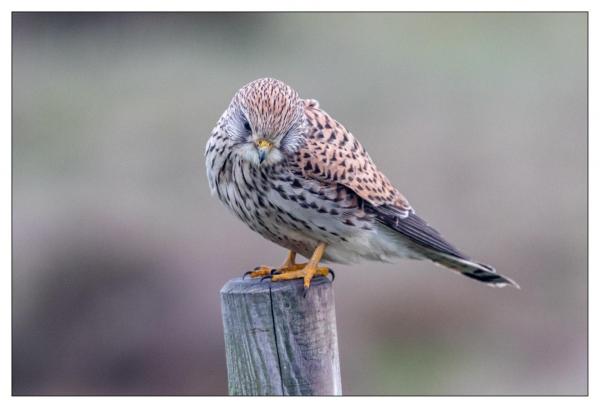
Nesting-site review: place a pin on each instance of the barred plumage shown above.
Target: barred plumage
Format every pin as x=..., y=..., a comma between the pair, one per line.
x=296, y=176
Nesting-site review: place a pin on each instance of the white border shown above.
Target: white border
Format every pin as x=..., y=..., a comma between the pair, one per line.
x=303, y=5
x=372, y=5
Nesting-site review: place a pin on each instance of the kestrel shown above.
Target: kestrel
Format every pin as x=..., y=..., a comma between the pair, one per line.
x=296, y=176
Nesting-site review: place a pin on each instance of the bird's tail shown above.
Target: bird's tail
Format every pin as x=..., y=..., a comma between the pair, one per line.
x=474, y=270
x=428, y=243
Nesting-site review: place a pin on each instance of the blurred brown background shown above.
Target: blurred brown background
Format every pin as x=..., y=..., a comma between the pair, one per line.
x=119, y=251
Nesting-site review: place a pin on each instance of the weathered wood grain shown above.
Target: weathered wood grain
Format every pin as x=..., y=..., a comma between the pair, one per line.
x=278, y=342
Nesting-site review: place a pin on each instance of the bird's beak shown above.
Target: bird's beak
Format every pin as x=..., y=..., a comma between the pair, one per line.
x=263, y=146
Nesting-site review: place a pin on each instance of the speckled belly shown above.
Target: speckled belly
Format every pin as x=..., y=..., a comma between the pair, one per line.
x=297, y=213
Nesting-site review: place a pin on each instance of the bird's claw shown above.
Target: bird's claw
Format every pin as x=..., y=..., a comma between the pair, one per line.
x=273, y=272
x=307, y=288
x=260, y=271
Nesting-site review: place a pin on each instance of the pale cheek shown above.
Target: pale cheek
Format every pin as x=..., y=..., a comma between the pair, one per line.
x=291, y=142
x=249, y=154
x=273, y=157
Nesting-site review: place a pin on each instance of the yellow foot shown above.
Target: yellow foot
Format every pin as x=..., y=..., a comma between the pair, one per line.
x=263, y=270
x=305, y=272
x=259, y=271
x=288, y=265
x=291, y=270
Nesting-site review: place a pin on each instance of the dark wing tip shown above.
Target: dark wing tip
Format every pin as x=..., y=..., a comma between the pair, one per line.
x=491, y=279
x=487, y=274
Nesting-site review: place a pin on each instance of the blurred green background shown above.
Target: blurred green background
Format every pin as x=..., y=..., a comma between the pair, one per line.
x=119, y=251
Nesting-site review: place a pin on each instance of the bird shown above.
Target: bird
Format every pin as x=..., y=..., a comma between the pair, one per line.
x=298, y=177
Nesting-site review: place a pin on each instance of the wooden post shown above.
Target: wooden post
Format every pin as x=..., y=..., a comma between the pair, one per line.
x=278, y=342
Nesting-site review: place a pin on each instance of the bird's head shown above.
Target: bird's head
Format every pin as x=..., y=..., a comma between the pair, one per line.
x=265, y=121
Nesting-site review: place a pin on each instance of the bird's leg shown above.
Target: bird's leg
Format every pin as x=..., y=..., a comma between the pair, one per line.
x=288, y=265
x=290, y=260
x=305, y=271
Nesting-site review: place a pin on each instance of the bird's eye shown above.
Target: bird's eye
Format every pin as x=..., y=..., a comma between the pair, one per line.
x=247, y=126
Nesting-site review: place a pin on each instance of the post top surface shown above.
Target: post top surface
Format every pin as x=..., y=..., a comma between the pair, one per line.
x=250, y=285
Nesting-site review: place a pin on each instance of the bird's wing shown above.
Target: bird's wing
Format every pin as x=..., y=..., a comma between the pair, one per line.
x=417, y=229
x=332, y=154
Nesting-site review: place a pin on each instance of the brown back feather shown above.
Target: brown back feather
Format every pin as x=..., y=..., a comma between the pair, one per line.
x=332, y=154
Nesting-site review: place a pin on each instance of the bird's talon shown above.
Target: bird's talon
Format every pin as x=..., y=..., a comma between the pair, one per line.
x=332, y=274
x=266, y=277
x=259, y=271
